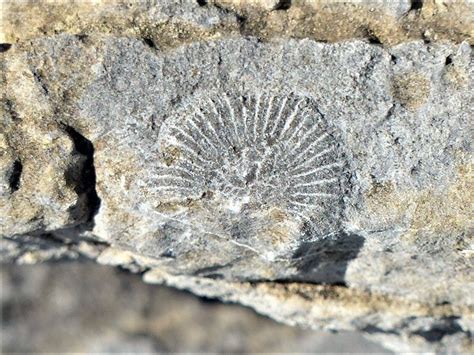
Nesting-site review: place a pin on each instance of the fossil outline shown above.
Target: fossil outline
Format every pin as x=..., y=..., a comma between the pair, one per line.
x=253, y=149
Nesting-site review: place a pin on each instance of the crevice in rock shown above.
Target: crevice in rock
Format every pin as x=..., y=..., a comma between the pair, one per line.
x=153, y=121
x=449, y=60
x=82, y=37
x=447, y=326
x=5, y=47
x=15, y=176
x=207, y=300
x=212, y=271
x=372, y=37
x=39, y=79
x=149, y=42
x=242, y=21
x=60, y=247
x=201, y=2
x=40, y=239
x=388, y=116
x=372, y=329
x=293, y=281
x=416, y=5
x=84, y=179
x=283, y=5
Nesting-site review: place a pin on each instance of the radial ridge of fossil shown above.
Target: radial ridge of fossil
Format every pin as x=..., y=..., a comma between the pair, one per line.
x=252, y=156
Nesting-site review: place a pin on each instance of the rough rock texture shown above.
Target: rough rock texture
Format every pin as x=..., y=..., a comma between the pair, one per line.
x=326, y=185
x=43, y=311
x=170, y=23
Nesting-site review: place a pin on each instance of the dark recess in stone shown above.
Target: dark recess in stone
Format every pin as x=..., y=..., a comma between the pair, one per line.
x=4, y=47
x=149, y=42
x=326, y=260
x=10, y=108
x=416, y=4
x=242, y=21
x=449, y=60
x=14, y=179
x=168, y=254
x=203, y=299
x=447, y=326
x=82, y=37
x=37, y=239
x=39, y=79
x=215, y=276
x=211, y=271
x=374, y=40
x=372, y=37
x=389, y=114
x=85, y=181
x=207, y=300
x=202, y=2
x=371, y=329
x=283, y=5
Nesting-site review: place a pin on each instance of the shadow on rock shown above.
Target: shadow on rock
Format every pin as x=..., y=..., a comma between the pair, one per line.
x=326, y=260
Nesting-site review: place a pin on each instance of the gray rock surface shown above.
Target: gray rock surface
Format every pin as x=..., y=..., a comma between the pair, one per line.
x=44, y=311
x=298, y=177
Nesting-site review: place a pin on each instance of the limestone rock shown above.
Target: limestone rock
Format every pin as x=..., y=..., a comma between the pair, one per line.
x=294, y=176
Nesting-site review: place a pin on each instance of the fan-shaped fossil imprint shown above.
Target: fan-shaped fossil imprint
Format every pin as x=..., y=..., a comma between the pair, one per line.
x=260, y=159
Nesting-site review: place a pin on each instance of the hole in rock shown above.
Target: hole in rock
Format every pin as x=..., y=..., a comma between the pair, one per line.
x=449, y=60
x=149, y=42
x=86, y=179
x=416, y=5
x=4, y=47
x=15, y=175
x=283, y=5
